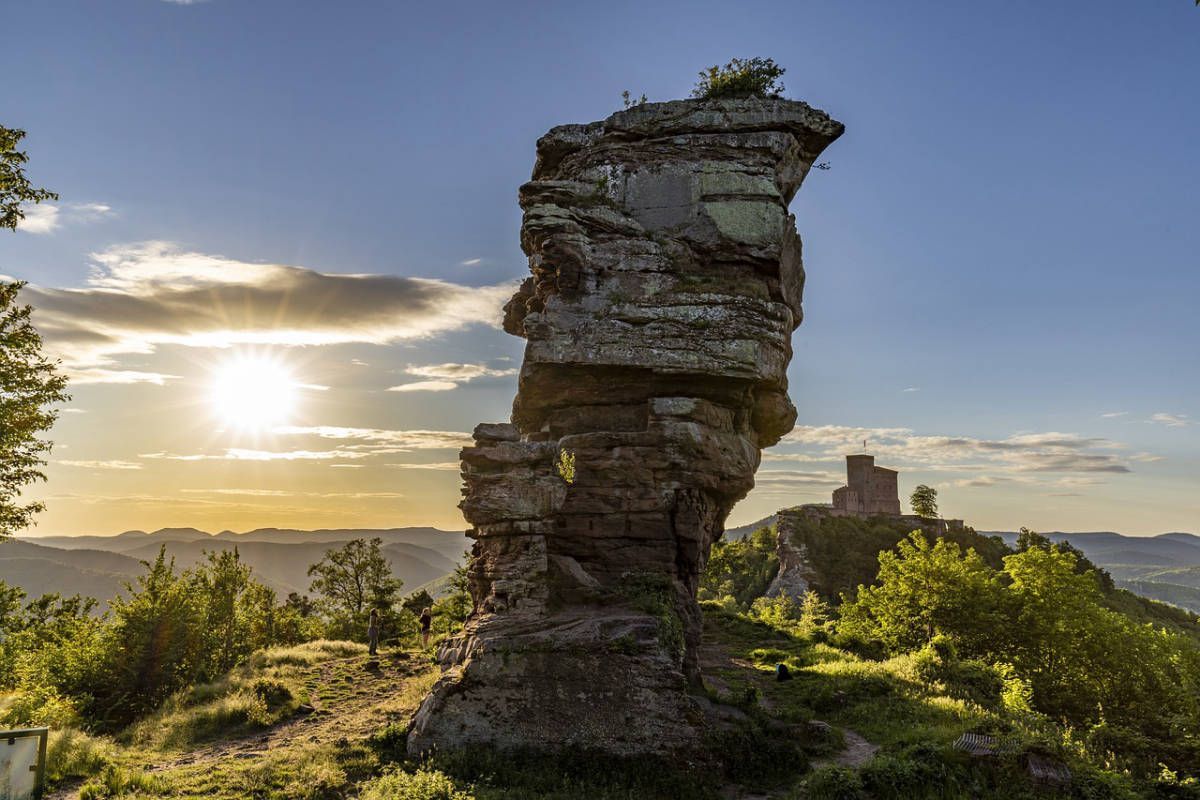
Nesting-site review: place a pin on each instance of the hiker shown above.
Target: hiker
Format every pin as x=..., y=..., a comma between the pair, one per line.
x=426, y=620
x=373, y=631
x=782, y=673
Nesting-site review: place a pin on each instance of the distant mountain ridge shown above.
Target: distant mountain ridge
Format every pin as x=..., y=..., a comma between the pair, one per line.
x=450, y=544
x=97, y=566
x=1107, y=547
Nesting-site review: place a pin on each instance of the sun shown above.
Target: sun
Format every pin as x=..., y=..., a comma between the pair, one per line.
x=251, y=392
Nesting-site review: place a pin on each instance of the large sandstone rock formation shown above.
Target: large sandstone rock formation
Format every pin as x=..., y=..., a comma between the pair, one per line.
x=666, y=285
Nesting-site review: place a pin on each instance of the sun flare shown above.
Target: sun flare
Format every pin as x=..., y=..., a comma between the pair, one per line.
x=253, y=393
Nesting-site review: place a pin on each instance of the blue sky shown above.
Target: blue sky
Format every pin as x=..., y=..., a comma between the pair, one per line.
x=1003, y=252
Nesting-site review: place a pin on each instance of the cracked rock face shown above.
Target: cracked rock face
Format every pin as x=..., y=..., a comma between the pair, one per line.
x=666, y=283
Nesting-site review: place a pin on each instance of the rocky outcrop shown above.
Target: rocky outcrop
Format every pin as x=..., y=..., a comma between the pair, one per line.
x=666, y=283
x=793, y=580
x=817, y=544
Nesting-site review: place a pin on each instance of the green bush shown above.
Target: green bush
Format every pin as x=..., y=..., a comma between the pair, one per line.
x=390, y=743
x=834, y=783
x=751, y=77
x=118, y=782
x=273, y=692
x=424, y=784
x=71, y=753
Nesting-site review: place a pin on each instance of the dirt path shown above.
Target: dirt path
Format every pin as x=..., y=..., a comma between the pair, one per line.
x=351, y=698
x=858, y=751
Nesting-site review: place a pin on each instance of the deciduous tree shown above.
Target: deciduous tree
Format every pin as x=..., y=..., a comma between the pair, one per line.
x=356, y=578
x=924, y=501
x=30, y=387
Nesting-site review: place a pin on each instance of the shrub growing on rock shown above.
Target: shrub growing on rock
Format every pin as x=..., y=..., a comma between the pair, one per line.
x=751, y=77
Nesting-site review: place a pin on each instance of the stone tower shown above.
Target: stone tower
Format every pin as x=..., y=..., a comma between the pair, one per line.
x=869, y=489
x=666, y=284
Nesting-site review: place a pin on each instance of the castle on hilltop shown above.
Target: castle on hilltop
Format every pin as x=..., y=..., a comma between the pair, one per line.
x=869, y=489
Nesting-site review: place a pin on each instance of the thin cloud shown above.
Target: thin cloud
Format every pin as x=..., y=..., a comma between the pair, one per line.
x=41, y=219
x=80, y=376
x=112, y=464
x=448, y=466
x=446, y=377
x=470, y=262
x=981, y=482
x=790, y=479
x=458, y=372
x=244, y=454
x=1113, y=414
x=290, y=493
x=424, y=386
x=139, y=297
x=45, y=218
x=1051, y=452
x=404, y=440
x=1172, y=420
x=913, y=389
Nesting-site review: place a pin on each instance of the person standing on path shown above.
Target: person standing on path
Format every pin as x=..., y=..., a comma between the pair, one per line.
x=373, y=631
x=426, y=620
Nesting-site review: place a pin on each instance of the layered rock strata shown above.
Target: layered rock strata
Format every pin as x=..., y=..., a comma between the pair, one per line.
x=666, y=284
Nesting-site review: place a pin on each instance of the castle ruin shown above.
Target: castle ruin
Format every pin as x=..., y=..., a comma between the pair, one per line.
x=869, y=489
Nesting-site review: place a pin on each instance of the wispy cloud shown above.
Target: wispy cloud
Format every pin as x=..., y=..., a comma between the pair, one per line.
x=1173, y=420
x=448, y=466
x=470, y=262
x=790, y=480
x=913, y=389
x=459, y=372
x=82, y=375
x=40, y=219
x=1113, y=414
x=139, y=297
x=356, y=444
x=402, y=440
x=291, y=493
x=244, y=454
x=444, y=377
x=46, y=218
x=424, y=386
x=111, y=464
x=1051, y=452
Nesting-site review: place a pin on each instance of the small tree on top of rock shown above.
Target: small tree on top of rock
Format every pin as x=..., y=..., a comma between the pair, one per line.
x=924, y=501
x=753, y=77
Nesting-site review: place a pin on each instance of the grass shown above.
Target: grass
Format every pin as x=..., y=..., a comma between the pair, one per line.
x=208, y=741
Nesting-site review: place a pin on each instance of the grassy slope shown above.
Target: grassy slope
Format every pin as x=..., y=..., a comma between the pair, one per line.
x=222, y=740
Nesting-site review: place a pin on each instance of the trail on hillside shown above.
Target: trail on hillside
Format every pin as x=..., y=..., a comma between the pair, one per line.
x=351, y=698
